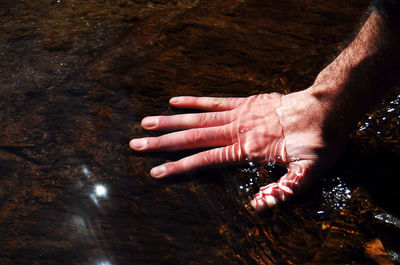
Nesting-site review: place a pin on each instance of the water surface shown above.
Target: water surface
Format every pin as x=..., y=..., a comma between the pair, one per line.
x=76, y=78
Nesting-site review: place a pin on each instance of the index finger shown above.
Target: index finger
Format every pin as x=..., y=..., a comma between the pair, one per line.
x=206, y=103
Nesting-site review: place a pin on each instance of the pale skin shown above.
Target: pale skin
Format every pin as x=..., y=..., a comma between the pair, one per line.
x=304, y=131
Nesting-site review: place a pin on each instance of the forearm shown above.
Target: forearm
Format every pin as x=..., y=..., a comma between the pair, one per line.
x=359, y=76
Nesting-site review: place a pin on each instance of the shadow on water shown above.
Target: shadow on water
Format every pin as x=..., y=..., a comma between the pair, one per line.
x=76, y=78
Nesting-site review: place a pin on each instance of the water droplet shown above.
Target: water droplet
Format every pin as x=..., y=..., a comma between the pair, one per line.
x=364, y=126
x=391, y=109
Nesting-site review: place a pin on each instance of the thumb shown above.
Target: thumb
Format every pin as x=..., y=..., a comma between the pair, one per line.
x=279, y=191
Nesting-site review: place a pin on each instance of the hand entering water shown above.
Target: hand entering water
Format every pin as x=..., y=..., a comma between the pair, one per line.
x=266, y=128
x=304, y=131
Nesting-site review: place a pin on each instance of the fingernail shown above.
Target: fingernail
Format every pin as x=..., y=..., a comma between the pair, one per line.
x=176, y=100
x=138, y=143
x=158, y=172
x=150, y=122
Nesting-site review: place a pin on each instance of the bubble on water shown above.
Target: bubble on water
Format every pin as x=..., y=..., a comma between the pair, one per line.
x=336, y=194
x=388, y=113
x=249, y=184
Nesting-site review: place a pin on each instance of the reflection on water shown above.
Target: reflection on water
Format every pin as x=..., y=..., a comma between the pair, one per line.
x=104, y=262
x=86, y=171
x=388, y=218
x=99, y=193
x=381, y=125
x=76, y=77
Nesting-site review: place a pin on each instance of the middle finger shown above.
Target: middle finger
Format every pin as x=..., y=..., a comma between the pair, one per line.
x=186, y=121
x=188, y=139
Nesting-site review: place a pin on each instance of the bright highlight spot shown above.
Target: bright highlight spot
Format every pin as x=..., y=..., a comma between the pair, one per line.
x=86, y=171
x=100, y=191
x=104, y=262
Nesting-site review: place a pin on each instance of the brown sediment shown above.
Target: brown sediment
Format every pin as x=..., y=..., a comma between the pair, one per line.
x=76, y=78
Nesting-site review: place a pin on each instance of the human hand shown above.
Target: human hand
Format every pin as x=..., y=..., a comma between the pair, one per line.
x=265, y=128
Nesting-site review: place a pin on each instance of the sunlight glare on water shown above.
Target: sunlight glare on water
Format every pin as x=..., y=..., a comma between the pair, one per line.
x=99, y=192
x=104, y=262
x=388, y=113
x=388, y=219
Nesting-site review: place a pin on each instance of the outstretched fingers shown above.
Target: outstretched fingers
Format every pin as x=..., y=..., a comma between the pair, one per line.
x=224, y=155
x=206, y=103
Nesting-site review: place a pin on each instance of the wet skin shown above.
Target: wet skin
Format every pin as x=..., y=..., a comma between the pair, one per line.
x=265, y=128
x=304, y=131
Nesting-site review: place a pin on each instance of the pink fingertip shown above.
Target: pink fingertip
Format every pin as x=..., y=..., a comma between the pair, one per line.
x=258, y=204
x=270, y=200
x=138, y=144
x=158, y=172
x=149, y=122
x=176, y=100
x=264, y=202
x=254, y=204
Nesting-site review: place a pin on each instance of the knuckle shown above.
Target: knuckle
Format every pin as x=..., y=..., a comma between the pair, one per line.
x=214, y=117
x=203, y=119
x=207, y=158
x=173, y=167
x=217, y=103
x=193, y=136
x=251, y=150
x=155, y=143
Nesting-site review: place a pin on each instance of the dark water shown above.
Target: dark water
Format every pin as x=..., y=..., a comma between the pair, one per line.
x=76, y=78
